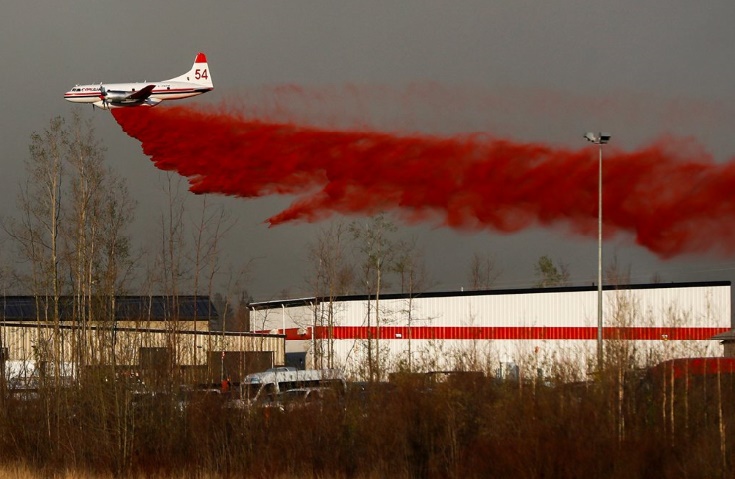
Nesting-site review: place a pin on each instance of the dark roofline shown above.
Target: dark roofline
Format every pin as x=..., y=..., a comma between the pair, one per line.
x=117, y=296
x=127, y=308
x=290, y=303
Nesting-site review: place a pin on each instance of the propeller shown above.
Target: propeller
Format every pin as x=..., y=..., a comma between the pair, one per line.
x=103, y=95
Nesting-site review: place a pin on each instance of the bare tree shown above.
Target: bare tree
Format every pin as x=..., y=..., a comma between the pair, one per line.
x=113, y=265
x=114, y=269
x=36, y=235
x=212, y=225
x=83, y=235
x=483, y=272
x=410, y=266
x=173, y=241
x=36, y=232
x=170, y=269
x=73, y=213
x=377, y=249
x=616, y=274
x=111, y=271
x=333, y=277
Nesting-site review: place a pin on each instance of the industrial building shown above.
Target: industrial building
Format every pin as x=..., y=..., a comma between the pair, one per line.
x=141, y=333
x=542, y=330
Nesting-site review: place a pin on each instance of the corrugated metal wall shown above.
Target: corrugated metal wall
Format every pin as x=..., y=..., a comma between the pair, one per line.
x=539, y=327
x=31, y=342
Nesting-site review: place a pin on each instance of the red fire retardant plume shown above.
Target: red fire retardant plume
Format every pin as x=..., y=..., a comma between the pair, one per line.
x=671, y=197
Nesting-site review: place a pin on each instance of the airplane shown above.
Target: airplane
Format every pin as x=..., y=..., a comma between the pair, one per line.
x=196, y=81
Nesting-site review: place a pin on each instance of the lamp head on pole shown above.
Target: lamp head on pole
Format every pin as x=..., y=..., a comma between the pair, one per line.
x=597, y=138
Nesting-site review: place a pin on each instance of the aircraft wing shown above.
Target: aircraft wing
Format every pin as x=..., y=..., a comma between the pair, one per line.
x=141, y=94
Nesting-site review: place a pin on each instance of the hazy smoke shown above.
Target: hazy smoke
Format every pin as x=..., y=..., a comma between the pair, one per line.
x=670, y=196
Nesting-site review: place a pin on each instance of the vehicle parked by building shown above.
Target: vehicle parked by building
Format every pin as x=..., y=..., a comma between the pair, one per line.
x=264, y=387
x=310, y=399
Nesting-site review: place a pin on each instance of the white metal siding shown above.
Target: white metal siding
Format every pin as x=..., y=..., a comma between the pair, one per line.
x=24, y=342
x=690, y=306
x=704, y=306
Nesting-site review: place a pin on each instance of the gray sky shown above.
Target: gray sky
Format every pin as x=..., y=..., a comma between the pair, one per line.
x=528, y=70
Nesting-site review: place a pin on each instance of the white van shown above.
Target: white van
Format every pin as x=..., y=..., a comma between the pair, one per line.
x=265, y=386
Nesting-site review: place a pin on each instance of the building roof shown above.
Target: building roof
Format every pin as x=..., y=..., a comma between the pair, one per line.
x=289, y=303
x=127, y=308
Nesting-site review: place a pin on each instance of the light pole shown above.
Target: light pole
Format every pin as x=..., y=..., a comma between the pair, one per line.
x=599, y=139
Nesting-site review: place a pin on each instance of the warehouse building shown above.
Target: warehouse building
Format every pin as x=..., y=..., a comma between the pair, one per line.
x=533, y=331
x=154, y=334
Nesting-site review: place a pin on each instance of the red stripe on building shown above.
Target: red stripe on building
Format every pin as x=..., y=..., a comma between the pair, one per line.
x=501, y=333
x=510, y=333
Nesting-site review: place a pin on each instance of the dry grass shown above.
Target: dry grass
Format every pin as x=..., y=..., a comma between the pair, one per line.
x=622, y=425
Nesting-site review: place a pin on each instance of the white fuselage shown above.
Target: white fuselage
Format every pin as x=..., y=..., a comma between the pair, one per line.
x=196, y=81
x=161, y=91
